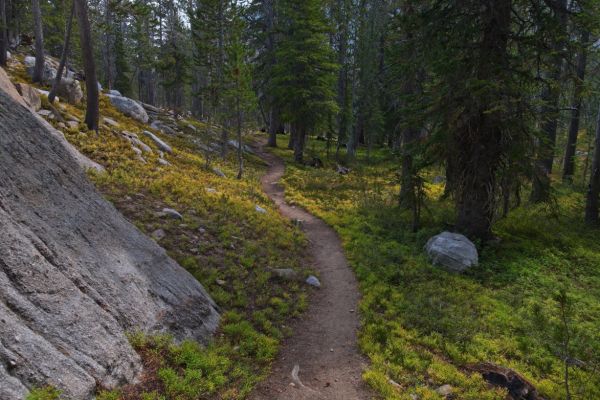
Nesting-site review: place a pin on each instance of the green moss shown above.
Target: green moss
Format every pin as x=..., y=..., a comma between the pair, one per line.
x=45, y=393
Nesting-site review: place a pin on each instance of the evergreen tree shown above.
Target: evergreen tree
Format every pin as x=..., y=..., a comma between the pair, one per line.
x=305, y=74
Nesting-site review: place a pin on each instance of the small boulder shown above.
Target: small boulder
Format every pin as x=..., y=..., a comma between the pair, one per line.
x=452, y=251
x=313, y=281
x=169, y=212
x=161, y=145
x=260, y=209
x=70, y=89
x=343, y=170
x=444, y=390
x=30, y=95
x=110, y=122
x=115, y=93
x=129, y=107
x=158, y=234
x=163, y=128
x=72, y=124
x=164, y=162
x=218, y=172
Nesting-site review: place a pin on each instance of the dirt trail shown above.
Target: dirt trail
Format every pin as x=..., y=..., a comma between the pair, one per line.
x=321, y=359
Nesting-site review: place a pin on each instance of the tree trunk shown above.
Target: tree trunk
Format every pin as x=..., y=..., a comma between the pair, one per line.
x=221, y=72
x=239, y=138
x=92, y=112
x=63, y=58
x=293, y=134
x=299, y=144
x=549, y=114
x=3, y=35
x=591, y=207
x=478, y=142
x=38, y=71
x=569, y=163
x=273, y=125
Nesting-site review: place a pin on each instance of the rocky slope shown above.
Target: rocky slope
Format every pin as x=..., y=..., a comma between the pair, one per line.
x=75, y=276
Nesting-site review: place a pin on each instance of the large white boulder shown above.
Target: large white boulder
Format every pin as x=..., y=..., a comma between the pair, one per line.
x=129, y=107
x=452, y=251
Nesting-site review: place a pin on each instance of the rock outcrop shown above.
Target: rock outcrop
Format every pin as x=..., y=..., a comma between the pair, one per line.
x=452, y=251
x=75, y=276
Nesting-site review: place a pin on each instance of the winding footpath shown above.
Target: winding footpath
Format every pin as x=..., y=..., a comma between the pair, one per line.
x=321, y=360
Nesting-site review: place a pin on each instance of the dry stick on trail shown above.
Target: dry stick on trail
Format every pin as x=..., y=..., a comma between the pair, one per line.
x=321, y=360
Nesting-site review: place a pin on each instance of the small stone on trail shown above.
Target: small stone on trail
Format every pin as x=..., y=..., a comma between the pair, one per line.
x=444, y=390
x=260, y=209
x=220, y=282
x=313, y=281
x=169, y=212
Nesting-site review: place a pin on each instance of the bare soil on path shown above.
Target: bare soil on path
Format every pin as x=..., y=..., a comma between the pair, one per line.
x=321, y=360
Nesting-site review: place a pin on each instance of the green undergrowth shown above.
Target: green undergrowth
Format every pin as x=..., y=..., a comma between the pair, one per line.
x=222, y=240
x=423, y=327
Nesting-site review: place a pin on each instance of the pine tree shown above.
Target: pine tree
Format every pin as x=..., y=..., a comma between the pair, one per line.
x=305, y=74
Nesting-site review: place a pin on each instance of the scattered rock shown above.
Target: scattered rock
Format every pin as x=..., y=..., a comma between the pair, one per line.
x=159, y=234
x=169, y=212
x=260, y=209
x=218, y=172
x=518, y=387
x=44, y=113
x=452, y=251
x=137, y=151
x=129, y=107
x=313, y=281
x=70, y=117
x=61, y=125
x=192, y=128
x=72, y=124
x=110, y=122
x=48, y=74
x=235, y=144
x=220, y=282
x=47, y=93
x=211, y=190
x=342, y=170
x=162, y=127
x=161, y=145
x=164, y=162
x=115, y=93
x=286, y=274
x=70, y=89
x=30, y=95
x=444, y=390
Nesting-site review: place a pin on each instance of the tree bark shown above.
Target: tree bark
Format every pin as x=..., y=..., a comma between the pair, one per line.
x=478, y=142
x=3, y=33
x=299, y=144
x=550, y=98
x=240, y=149
x=293, y=134
x=92, y=112
x=569, y=163
x=591, y=207
x=63, y=58
x=38, y=70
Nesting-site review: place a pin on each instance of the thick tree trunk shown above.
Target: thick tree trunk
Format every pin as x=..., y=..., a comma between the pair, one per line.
x=273, y=125
x=299, y=144
x=221, y=72
x=63, y=58
x=92, y=112
x=569, y=166
x=549, y=114
x=591, y=207
x=3, y=33
x=293, y=135
x=240, y=149
x=38, y=70
x=478, y=143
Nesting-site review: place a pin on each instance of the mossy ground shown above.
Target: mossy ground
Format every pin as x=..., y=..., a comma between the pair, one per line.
x=222, y=241
x=422, y=326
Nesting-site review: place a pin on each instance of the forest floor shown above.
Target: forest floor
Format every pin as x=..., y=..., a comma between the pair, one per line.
x=321, y=360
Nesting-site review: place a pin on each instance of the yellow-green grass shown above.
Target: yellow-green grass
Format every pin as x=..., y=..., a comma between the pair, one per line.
x=422, y=326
